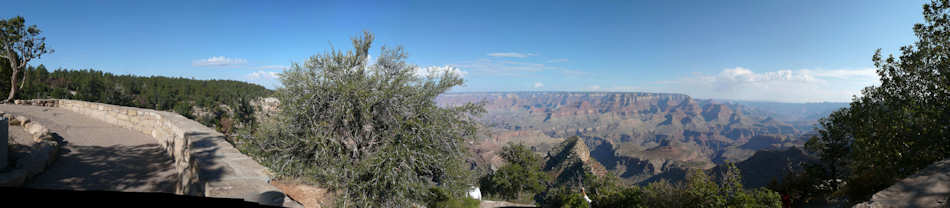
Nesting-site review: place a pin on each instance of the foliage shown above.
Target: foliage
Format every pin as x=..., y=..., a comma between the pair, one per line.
x=563, y=197
x=699, y=190
x=628, y=197
x=19, y=45
x=440, y=198
x=370, y=132
x=521, y=175
x=187, y=97
x=812, y=184
x=901, y=126
x=607, y=191
x=664, y=194
x=519, y=154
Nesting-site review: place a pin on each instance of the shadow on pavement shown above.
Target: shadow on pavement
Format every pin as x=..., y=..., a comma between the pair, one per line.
x=138, y=168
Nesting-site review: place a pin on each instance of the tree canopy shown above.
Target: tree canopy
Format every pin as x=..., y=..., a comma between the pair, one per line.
x=901, y=126
x=19, y=45
x=370, y=131
x=223, y=104
x=521, y=175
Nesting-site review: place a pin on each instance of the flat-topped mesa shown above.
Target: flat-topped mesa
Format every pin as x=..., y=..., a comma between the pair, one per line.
x=552, y=99
x=206, y=164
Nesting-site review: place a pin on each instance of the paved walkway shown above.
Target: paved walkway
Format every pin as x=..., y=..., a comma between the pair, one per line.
x=99, y=156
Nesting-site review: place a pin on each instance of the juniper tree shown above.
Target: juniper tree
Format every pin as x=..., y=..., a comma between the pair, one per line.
x=19, y=45
x=370, y=131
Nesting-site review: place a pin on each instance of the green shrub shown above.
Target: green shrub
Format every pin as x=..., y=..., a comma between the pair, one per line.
x=441, y=198
x=564, y=198
x=629, y=197
x=371, y=132
x=522, y=174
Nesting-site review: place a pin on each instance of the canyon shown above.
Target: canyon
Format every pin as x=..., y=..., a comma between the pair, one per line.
x=638, y=135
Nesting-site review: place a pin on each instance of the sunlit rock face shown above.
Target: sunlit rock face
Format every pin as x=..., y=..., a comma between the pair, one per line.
x=635, y=135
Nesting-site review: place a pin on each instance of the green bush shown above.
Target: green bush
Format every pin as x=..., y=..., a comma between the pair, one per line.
x=441, y=198
x=629, y=197
x=521, y=175
x=371, y=132
x=564, y=198
x=699, y=190
x=662, y=194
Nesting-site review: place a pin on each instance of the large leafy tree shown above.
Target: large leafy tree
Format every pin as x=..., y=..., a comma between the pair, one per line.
x=371, y=131
x=901, y=126
x=19, y=45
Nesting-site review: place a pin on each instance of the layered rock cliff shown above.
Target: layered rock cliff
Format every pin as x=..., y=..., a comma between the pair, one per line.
x=635, y=135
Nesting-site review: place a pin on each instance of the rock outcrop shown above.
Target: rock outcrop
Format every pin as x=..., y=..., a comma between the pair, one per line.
x=570, y=161
x=929, y=187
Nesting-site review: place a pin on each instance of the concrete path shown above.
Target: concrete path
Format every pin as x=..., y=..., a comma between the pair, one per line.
x=99, y=156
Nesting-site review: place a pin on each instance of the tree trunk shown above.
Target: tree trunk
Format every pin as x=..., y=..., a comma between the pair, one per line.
x=26, y=72
x=13, y=87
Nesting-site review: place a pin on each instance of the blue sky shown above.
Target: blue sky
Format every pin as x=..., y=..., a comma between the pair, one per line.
x=788, y=51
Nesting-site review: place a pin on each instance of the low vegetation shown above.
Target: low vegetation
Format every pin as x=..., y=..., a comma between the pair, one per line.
x=698, y=190
x=520, y=178
x=369, y=131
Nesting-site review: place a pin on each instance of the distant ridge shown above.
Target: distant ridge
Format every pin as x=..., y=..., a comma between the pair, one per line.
x=634, y=135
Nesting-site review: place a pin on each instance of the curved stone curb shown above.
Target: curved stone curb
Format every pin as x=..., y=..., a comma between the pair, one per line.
x=42, y=152
x=206, y=164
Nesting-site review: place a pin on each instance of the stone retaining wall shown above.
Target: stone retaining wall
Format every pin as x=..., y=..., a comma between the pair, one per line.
x=207, y=165
x=40, y=154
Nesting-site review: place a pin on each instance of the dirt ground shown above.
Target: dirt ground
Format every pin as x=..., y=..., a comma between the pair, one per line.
x=308, y=195
x=493, y=204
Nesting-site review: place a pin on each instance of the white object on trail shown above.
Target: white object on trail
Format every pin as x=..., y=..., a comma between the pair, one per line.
x=475, y=193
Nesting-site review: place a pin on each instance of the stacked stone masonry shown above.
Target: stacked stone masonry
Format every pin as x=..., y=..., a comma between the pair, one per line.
x=42, y=152
x=206, y=164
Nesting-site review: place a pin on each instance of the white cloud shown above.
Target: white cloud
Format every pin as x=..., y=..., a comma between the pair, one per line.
x=803, y=85
x=268, y=79
x=264, y=75
x=273, y=67
x=557, y=60
x=511, y=54
x=624, y=88
x=438, y=70
x=844, y=73
x=593, y=87
x=538, y=85
x=501, y=67
x=218, y=61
